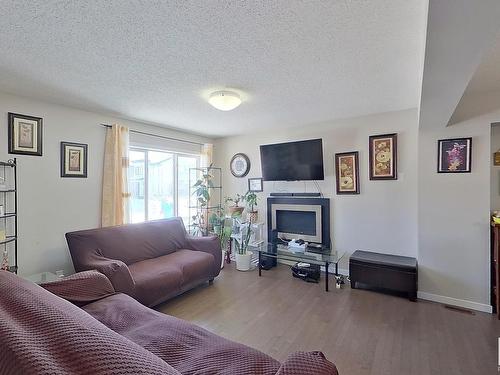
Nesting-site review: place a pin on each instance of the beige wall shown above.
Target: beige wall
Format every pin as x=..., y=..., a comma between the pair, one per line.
x=383, y=217
x=49, y=205
x=442, y=219
x=454, y=218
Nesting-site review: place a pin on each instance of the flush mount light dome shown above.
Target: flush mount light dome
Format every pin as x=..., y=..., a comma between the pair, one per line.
x=224, y=100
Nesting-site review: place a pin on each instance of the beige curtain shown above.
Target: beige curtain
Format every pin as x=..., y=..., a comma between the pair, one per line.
x=206, y=154
x=115, y=195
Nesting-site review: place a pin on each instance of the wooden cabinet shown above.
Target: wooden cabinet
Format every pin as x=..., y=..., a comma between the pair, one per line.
x=495, y=270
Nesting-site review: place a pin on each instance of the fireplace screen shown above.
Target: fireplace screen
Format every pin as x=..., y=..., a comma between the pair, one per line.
x=297, y=221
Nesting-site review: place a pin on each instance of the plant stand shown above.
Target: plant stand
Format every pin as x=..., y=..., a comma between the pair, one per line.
x=214, y=203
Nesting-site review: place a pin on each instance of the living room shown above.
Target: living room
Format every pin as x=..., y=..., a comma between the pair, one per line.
x=411, y=249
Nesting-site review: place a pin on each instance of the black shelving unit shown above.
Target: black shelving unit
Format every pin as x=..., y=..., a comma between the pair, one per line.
x=215, y=191
x=8, y=221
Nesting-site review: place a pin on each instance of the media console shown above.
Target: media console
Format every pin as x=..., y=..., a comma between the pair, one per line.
x=297, y=217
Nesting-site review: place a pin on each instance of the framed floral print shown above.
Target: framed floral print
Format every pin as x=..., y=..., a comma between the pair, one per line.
x=25, y=134
x=383, y=157
x=73, y=159
x=454, y=155
x=347, y=172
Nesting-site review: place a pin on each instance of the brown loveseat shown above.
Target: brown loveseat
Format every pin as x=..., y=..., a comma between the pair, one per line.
x=42, y=333
x=152, y=261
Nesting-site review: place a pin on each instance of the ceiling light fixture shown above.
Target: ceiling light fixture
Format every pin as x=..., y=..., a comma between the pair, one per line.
x=224, y=100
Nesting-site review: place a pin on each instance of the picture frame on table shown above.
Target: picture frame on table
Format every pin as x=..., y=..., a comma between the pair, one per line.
x=454, y=155
x=74, y=159
x=383, y=157
x=255, y=185
x=347, y=172
x=25, y=134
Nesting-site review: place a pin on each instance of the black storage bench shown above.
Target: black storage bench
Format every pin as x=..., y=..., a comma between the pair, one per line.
x=392, y=272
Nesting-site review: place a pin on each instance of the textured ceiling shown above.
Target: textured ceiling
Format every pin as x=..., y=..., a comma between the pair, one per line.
x=294, y=62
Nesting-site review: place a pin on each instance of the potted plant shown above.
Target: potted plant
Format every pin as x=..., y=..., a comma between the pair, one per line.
x=251, y=200
x=216, y=220
x=235, y=210
x=243, y=256
x=202, y=192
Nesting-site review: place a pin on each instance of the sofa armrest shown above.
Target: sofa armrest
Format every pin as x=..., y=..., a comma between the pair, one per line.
x=81, y=288
x=209, y=244
x=307, y=363
x=115, y=270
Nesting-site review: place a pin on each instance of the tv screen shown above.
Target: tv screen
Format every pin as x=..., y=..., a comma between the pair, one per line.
x=302, y=160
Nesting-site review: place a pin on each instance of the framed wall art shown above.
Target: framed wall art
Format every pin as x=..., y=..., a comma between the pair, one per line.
x=347, y=172
x=73, y=159
x=454, y=155
x=25, y=134
x=383, y=157
x=255, y=185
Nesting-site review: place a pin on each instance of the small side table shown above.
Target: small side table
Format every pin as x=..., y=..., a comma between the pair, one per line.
x=43, y=277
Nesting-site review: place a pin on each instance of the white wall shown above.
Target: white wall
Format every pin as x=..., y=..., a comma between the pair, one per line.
x=495, y=170
x=454, y=218
x=383, y=217
x=49, y=205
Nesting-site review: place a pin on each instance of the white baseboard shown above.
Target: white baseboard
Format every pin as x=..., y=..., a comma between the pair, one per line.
x=422, y=295
x=455, y=302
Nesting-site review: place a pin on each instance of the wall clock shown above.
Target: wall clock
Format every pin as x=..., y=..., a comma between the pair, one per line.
x=240, y=165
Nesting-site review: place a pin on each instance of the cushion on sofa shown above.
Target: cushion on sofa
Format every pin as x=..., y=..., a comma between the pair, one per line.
x=161, y=278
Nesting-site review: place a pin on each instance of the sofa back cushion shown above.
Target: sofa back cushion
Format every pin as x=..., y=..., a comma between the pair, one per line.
x=130, y=243
x=43, y=334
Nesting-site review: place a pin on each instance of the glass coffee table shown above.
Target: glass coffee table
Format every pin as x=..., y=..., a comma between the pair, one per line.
x=322, y=257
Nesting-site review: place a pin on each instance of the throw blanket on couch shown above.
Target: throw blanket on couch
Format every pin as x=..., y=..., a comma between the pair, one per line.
x=41, y=333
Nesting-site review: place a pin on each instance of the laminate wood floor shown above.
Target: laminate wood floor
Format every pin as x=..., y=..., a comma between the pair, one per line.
x=362, y=332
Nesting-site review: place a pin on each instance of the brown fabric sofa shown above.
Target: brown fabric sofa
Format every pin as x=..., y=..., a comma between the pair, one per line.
x=41, y=333
x=152, y=261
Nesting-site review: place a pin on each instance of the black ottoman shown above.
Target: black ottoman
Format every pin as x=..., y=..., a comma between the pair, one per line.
x=392, y=272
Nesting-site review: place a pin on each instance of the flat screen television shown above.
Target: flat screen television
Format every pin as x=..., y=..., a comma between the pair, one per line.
x=292, y=161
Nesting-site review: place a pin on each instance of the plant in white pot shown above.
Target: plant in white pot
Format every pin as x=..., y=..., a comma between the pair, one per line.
x=243, y=256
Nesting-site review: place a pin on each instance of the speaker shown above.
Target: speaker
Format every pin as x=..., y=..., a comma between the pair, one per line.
x=266, y=263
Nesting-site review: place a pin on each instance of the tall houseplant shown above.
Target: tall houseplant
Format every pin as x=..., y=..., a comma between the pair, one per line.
x=202, y=192
x=243, y=256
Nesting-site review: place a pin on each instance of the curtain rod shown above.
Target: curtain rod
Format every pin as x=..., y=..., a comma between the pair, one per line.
x=158, y=136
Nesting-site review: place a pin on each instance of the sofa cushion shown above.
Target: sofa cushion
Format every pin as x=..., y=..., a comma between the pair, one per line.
x=161, y=278
x=129, y=243
x=195, y=265
x=156, y=280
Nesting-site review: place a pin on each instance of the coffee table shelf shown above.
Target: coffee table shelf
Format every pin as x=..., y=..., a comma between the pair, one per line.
x=323, y=257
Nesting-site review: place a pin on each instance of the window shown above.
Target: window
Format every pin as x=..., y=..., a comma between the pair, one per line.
x=159, y=184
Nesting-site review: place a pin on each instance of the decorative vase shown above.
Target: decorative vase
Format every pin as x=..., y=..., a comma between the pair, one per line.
x=253, y=216
x=243, y=261
x=236, y=210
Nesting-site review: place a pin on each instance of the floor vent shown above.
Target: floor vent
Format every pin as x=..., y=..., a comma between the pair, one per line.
x=460, y=309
